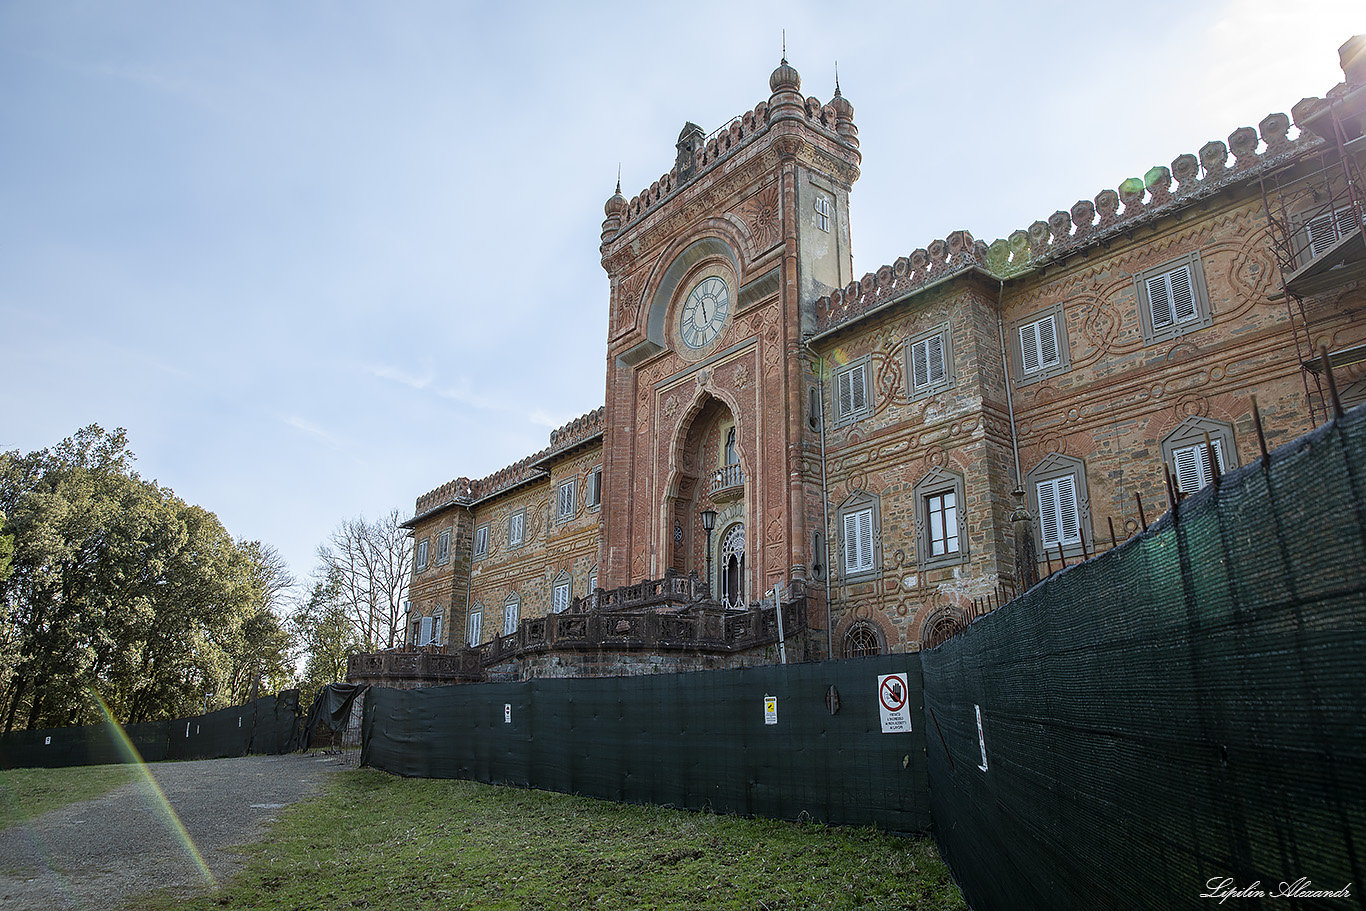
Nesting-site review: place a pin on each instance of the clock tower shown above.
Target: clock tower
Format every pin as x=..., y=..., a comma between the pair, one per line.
x=715, y=270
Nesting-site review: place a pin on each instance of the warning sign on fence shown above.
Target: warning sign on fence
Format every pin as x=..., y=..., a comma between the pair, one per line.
x=893, y=702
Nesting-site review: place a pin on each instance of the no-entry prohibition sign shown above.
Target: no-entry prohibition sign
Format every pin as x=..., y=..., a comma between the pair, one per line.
x=893, y=697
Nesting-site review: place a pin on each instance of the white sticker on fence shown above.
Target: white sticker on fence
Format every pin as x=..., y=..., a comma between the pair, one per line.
x=507, y=713
x=981, y=738
x=47, y=741
x=893, y=702
x=770, y=710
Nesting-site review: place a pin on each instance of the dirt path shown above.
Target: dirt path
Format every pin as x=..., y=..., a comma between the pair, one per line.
x=95, y=854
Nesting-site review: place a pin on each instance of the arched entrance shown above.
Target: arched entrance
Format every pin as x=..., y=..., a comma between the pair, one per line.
x=709, y=476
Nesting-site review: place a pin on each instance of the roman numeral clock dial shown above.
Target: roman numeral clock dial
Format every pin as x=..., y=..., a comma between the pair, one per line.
x=704, y=312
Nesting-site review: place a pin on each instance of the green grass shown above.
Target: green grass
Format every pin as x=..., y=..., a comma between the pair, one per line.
x=26, y=793
x=376, y=841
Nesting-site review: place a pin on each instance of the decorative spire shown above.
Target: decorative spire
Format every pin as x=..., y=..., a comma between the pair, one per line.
x=784, y=46
x=837, y=79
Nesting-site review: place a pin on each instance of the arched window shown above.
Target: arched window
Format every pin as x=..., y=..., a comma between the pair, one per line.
x=732, y=568
x=862, y=640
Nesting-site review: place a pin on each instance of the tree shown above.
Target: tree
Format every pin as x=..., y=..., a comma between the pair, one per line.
x=370, y=564
x=325, y=636
x=119, y=588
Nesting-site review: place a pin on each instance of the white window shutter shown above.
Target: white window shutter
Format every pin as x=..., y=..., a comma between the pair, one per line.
x=1183, y=297
x=1029, y=348
x=920, y=367
x=851, y=548
x=425, y=636
x=934, y=350
x=1191, y=471
x=1048, y=342
x=858, y=388
x=1159, y=302
x=474, y=627
x=846, y=393
x=1048, y=512
x=436, y=630
x=865, y=523
x=1069, y=522
x=1323, y=233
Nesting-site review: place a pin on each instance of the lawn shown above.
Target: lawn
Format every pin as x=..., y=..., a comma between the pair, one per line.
x=26, y=793
x=377, y=841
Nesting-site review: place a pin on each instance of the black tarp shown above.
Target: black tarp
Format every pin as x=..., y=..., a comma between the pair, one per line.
x=266, y=725
x=695, y=740
x=331, y=707
x=1183, y=710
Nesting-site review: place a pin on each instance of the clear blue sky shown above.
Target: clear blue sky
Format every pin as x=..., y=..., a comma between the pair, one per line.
x=320, y=257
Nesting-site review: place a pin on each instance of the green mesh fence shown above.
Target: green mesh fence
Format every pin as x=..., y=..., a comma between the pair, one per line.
x=697, y=740
x=266, y=725
x=1181, y=715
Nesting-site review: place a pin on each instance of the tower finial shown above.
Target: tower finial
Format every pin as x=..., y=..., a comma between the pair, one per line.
x=618, y=177
x=837, y=77
x=784, y=46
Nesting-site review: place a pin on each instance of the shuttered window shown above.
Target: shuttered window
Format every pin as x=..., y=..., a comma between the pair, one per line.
x=1191, y=464
x=436, y=630
x=858, y=541
x=422, y=554
x=1328, y=228
x=443, y=547
x=1171, y=298
x=481, y=540
x=1059, y=518
x=516, y=525
x=1039, y=345
x=928, y=367
x=474, y=626
x=595, y=489
x=852, y=391
x=512, y=610
x=560, y=599
x=424, y=636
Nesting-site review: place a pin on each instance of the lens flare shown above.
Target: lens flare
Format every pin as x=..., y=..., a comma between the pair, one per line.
x=169, y=817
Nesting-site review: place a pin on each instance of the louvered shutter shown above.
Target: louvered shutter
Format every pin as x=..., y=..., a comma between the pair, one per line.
x=1029, y=347
x=858, y=388
x=1069, y=531
x=851, y=548
x=1191, y=472
x=865, y=527
x=425, y=636
x=934, y=349
x=515, y=530
x=474, y=627
x=920, y=368
x=1183, y=297
x=846, y=393
x=1323, y=233
x=561, y=597
x=1159, y=302
x=1048, y=342
x=1048, y=512
x=436, y=631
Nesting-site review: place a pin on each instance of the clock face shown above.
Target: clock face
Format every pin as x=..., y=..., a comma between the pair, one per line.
x=704, y=312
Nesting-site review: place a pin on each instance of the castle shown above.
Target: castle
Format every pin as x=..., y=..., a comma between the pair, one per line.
x=888, y=453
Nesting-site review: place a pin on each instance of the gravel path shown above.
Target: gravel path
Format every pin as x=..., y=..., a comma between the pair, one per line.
x=95, y=854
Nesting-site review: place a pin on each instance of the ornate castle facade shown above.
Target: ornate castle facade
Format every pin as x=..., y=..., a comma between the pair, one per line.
x=877, y=449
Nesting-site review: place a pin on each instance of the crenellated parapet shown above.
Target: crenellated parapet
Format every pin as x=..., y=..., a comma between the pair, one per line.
x=452, y=493
x=464, y=492
x=834, y=119
x=577, y=431
x=1160, y=192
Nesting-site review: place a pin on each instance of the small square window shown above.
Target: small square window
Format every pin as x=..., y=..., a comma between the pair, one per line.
x=851, y=392
x=443, y=546
x=929, y=362
x=422, y=554
x=481, y=541
x=564, y=501
x=1172, y=299
x=516, y=528
x=1039, y=345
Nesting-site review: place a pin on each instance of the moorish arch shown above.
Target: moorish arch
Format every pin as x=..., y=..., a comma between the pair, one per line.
x=708, y=472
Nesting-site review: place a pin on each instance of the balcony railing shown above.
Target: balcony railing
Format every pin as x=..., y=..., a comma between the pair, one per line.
x=727, y=483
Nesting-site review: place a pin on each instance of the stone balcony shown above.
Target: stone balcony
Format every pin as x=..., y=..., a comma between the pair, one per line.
x=727, y=484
